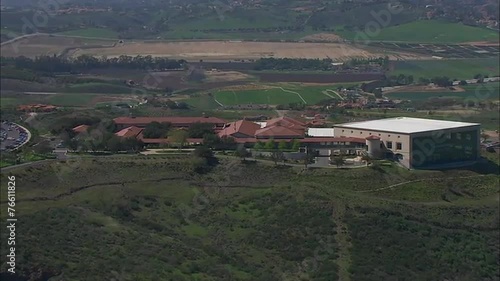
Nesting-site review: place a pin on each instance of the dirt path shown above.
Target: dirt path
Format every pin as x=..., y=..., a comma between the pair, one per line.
x=338, y=95
x=343, y=241
x=65, y=194
x=419, y=180
x=288, y=91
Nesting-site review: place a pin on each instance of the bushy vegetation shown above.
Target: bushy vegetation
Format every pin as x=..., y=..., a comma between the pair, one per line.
x=163, y=218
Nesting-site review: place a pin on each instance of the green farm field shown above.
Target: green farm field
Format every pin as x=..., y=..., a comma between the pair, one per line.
x=76, y=100
x=91, y=32
x=432, y=31
x=455, y=69
x=486, y=91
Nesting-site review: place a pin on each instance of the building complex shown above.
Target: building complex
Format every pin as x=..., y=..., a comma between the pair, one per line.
x=413, y=142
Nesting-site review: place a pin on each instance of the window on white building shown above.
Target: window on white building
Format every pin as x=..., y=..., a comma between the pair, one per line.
x=389, y=144
x=399, y=146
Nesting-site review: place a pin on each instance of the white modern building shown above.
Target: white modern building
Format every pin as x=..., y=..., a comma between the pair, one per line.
x=417, y=142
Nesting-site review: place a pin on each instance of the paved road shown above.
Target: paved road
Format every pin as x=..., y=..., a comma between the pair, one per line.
x=61, y=153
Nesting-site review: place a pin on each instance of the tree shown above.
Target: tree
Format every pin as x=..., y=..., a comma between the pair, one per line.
x=308, y=157
x=410, y=79
x=258, y=146
x=423, y=81
x=295, y=145
x=338, y=160
x=203, y=152
x=283, y=145
x=42, y=148
x=462, y=83
x=242, y=153
x=132, y=144
x=212, y=140
x=198, y=130
x=270, y=145
x=178, y=137
x=156, y=130
x=277, y=156
x=114, y=144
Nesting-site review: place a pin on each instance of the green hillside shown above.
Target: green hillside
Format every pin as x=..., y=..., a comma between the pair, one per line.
x=155, y=218
x=431, y=31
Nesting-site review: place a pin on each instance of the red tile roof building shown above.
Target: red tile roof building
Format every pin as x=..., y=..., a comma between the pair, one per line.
x=37, y=107
x=240, y=129
x=278, y=132
x=81, y=129
x=130, y=132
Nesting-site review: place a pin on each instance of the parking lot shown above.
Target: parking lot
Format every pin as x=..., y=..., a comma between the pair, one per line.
x=12, y=136
x=455, y=51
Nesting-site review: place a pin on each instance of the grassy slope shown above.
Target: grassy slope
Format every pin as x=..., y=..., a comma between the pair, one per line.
x=171, y=224
x=431, y=31
x=455, y=69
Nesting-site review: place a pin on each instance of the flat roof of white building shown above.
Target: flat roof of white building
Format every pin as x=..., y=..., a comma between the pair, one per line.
x=406, y=125
x=320, y=132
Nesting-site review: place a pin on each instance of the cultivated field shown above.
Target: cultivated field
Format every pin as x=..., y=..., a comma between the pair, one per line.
x=36, y=45
x=455, y=69
x=228, y=50
x=451, y=51
x=190, y=50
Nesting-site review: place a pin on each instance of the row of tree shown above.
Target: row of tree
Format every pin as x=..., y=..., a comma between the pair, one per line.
x=282, y=145
x=55, y=64
x=293, y=64
x=102, y=141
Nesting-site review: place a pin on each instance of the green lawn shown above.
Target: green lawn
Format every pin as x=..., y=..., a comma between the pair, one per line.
x=71, y=99
x=92, y=32
x=289, y=94
x=480, y=92
x=202, y=101
x=431, y=31
x=8, y=102
x=455, y=69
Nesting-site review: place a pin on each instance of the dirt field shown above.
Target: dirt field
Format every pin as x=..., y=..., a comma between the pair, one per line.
x=482, y=43
x=191, y=50
x=47, y=45
x=224, y=76
x=423, y=89
x=325, y=37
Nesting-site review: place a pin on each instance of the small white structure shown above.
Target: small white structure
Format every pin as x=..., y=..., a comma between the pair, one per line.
x=320, y=132
x=261, y=124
